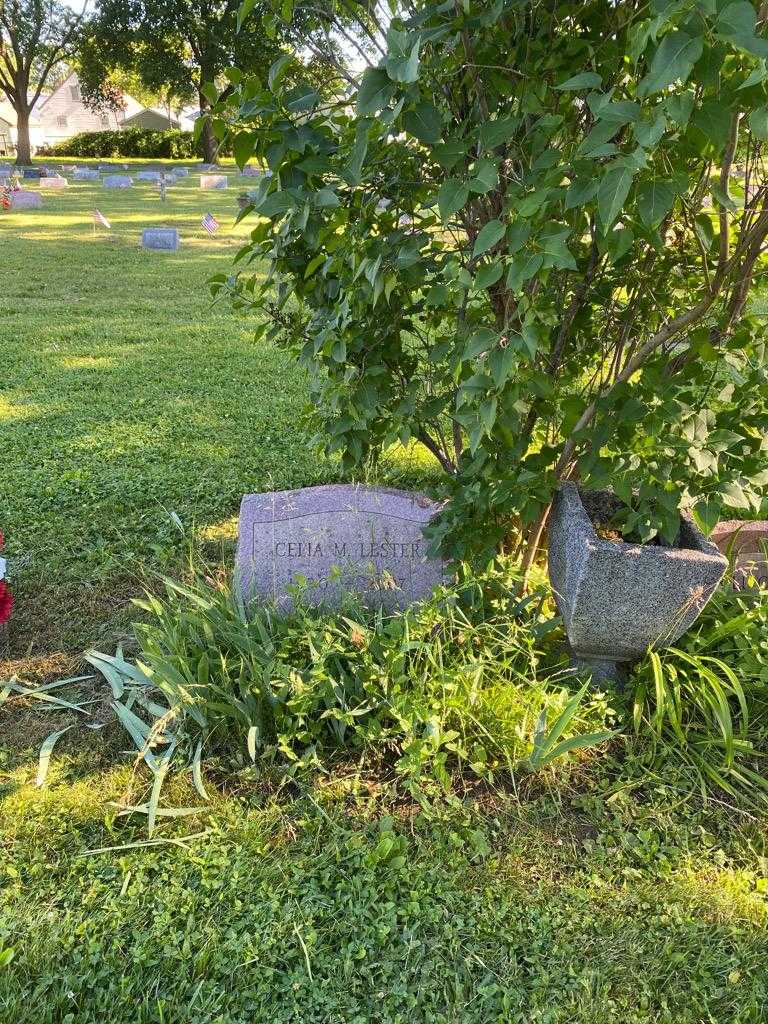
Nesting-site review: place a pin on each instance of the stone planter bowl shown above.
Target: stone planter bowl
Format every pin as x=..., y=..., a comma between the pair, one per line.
x=618, y=600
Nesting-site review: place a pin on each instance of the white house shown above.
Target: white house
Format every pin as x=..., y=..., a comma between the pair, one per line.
x=62, y=114
x=8, y=129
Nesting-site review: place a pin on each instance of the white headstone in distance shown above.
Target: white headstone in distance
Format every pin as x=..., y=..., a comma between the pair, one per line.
x=26, y=200
x=160, y=238
x=213, y=181
x=118, y=181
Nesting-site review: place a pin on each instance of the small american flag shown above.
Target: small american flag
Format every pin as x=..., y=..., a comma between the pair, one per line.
x=210, y=224
x=99, y=218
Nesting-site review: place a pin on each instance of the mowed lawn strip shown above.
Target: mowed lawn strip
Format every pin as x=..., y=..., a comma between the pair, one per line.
x=126, y=395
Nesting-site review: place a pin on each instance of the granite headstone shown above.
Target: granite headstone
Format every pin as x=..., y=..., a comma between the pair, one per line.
x=26, y=200
x=340, y=539
x=149, y=176
x=160, y=238
x=181, y=172
x=86, y=174
x=213, y=181
x=54, y=182
x=746, y=544
x=118, y=181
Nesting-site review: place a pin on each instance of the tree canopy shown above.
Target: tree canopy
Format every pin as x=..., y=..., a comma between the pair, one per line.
x=36, y=36
x=174, y=47
x=529, y=246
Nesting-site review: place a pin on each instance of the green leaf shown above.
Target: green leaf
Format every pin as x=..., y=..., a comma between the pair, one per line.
x=480, y=342
x=197, y=775
x=612, y=193
x=488, y=236
x=620, y=113
x=758, y=122
x=522, y=269
x=680, y=107
x=314, y=264
x=584, y=80
x=45, y=755
x=737, y=19
x=713, y=120
x=488, y=275
x=648, y=133
x=209, y=90
x=278, y=70
x=672, y=62
x=755, y=76
x=452, y=196
x=580, y=192
x=449, y=153
x=359, y=151
x=244, y=10
x=734, y=496
x=425, y=122
x=654, y=201
x=707, y=515
x=404, y=67
x=494, y=133
x=375, y=91
x=555, y=250
x=722, y=197
x=276, y=203
x=486, y=176
x=243, y=148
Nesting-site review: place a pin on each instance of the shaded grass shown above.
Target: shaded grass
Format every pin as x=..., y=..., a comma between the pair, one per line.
x=557, y=913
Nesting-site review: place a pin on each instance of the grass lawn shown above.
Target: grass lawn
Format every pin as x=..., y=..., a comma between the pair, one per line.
x=125, y=397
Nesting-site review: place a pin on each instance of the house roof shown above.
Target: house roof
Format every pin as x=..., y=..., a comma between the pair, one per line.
x=129, y=102
x=152, y=110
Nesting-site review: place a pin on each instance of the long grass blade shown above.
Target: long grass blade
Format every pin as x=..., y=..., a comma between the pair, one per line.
x=45, y=755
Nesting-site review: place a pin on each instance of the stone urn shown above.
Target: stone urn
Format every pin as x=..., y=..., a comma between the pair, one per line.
x=618, y=600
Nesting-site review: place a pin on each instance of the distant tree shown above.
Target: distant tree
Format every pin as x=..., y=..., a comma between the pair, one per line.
x=36, y=37
x=174, y=47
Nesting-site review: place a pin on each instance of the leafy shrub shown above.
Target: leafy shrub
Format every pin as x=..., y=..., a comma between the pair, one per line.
x=459, y=681
x=525, y=248
x=704, y=703
x=130, y=142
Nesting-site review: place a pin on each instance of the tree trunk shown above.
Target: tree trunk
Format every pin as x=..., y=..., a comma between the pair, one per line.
x=208, y=139
x=23, y=148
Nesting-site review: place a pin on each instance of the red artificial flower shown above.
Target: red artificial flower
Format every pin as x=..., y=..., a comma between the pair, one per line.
x=6, y=602
x=2, y=540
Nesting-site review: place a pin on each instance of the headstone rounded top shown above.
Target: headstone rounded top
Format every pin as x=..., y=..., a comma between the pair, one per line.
x=339, y=539
x=21, y=200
